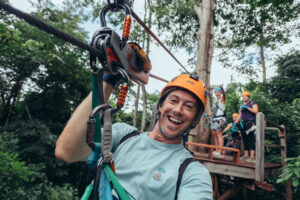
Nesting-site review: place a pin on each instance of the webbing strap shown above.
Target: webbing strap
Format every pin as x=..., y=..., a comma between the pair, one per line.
x=87, y=192
x=182, y=168
x=107, y=136
x=123, y=195
x=133, y=133
x=95, y=102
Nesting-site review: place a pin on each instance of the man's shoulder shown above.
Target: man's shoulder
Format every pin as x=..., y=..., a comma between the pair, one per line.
x=121, y=126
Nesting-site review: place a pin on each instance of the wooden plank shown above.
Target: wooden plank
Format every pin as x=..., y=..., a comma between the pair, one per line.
x=265, y=186
x=236, y=171
x=216, y=187
x=272, y=128
x=260, y=135
x=274, y=124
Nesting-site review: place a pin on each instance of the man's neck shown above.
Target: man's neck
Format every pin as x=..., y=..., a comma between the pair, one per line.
x=156, y=135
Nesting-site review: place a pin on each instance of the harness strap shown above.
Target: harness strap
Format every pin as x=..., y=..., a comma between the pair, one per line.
x=133, y=133
x=107, y=136
x=182, y=168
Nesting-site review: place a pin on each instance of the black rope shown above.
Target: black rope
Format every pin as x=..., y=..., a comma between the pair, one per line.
x=62, y=35
x=50, y=29
x=148, y=30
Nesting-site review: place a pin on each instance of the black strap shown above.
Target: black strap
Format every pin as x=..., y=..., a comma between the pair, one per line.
x=129, y=135
x=182, y=168
x=224, y=115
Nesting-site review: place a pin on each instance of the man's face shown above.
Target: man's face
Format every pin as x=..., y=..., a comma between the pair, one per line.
x=178, y=112
x=245, y=98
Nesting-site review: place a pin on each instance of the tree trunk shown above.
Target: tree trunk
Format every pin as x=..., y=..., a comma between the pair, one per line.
x=144, y=115
x=205, y=41
x=9, y=104
x=262, y=57
x=136, y=106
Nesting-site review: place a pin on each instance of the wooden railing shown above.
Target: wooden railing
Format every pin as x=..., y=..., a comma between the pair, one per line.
x=236, y=152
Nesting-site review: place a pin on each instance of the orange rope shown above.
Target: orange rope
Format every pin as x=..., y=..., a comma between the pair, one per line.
x=126, y=27
x=122, y=95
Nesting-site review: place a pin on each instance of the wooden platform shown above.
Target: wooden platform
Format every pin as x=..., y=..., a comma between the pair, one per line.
x=226, y=166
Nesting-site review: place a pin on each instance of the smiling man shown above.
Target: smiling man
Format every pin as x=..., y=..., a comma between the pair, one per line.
x=147, y=164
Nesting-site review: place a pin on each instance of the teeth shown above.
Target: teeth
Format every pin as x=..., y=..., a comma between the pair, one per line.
x=175, y=120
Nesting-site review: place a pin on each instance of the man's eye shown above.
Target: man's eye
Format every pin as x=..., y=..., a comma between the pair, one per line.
x=190, y=106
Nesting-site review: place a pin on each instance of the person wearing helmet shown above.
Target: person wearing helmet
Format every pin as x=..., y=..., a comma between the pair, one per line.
x=147, y=164
x=218, y=120
x=248, y=111
x=234, y=137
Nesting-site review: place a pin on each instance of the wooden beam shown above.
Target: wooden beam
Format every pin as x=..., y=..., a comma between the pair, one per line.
x=230, y=170
x=260, y=135
x=274, y=124
x=272, y=128
x=288, y=186
x=265, y=186
x=216, y=187
x=236, y=152
x=231, y=192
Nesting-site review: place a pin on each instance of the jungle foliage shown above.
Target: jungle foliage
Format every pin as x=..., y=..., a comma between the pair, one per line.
x=43, y=79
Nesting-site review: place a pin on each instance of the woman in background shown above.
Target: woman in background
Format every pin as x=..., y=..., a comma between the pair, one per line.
x=218, y=120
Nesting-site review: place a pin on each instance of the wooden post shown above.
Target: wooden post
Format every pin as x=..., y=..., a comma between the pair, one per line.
x=153, y=117
x=260, y=135
x=282, y=137
x=216, y=187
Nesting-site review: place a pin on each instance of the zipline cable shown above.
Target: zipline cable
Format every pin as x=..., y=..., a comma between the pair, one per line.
x=148, y=30
x=50, y=29
x=34, y=21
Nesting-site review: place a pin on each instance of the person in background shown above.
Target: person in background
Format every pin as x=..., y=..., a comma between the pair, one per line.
x=234, y=137
x=248, y=111
x=218, y=120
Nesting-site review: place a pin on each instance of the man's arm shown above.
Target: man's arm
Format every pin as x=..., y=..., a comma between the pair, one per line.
x=71, y=145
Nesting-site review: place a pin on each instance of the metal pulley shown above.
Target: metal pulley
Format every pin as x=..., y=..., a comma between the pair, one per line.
x=115, y=49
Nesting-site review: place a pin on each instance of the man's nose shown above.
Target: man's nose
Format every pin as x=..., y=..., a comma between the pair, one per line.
x=178, y=109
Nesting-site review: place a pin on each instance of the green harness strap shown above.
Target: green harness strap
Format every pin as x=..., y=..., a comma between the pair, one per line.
x=95, y=101
x=117, y=186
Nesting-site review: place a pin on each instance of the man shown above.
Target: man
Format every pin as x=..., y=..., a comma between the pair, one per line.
x=147, y=164
x=248, y=112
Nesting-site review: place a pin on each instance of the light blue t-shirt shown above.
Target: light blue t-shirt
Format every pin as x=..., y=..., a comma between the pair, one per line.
x=148, y=169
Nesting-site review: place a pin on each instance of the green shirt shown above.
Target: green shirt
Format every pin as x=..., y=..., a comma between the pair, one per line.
x=148, y=169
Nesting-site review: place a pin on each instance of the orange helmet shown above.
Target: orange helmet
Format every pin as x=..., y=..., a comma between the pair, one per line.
x=191, y=84
x=246, y=93
x=235, y=115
